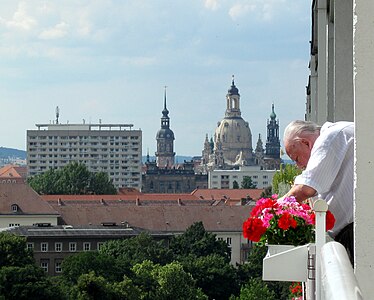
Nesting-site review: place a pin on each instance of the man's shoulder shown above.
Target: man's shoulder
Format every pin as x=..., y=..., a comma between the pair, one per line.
x=336, y=126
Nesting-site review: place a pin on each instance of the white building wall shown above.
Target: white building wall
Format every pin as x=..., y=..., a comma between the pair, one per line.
x=331, y=63
x=363, y=57
x=223, y=179
x=238, y=245
x=24, y=220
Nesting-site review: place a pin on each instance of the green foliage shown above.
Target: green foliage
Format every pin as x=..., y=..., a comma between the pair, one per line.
x=27, y=282
x=90, y=286
x=235, y=185
x=169, y=282
x=247, y=183
x=252, y=270
x=86, y=262
x=129, y=252
x=216, y=278
x=13, y=251
x=284, y=177
x=73, y=179
x=198, y=242
x=256, y=289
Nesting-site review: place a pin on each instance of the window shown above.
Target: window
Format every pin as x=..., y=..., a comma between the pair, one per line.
x=228, y=241
x=44, y=265
x=30, y=246
x=14, y=208
x=220, y=239
x=72, y=247
x=86, y=246
x=99, y=245
x=44, y=247
x=14, y=225
x=58, y=268
x=265, y=176
x=58, y=247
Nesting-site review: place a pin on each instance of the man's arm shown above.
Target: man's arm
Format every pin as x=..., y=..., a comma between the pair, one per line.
x=301, y=192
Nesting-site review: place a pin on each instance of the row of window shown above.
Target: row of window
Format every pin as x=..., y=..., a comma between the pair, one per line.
x=44, y=264
x=56, y=137
x=44, y=246
x=235, y=176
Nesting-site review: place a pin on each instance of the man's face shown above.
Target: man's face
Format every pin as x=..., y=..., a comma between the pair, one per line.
x=299, y=151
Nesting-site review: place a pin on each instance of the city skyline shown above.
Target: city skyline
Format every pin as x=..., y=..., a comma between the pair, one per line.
x=109, y=61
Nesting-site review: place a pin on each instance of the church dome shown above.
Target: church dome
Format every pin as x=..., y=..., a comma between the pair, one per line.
x=165, y=133
x=235, y=137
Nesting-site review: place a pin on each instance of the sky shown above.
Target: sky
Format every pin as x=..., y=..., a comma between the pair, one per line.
x=110, y=60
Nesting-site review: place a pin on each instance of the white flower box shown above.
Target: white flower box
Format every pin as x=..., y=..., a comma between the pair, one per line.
x=286, y=263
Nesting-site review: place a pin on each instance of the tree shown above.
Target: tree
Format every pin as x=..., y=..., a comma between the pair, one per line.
x=283, y=179
x=235, y=185
x=73, y=179
x=13, y=252
x=169, y=282
x=128, y=252
x=197, y=241
x=89, y=286
x=85, y=262
x=26, y=282
x=247, y=183
x=255, y=289
x=213, y=274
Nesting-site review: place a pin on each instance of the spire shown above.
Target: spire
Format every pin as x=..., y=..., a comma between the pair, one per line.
x=165, y=111
x=233, y=89
x=272, y=115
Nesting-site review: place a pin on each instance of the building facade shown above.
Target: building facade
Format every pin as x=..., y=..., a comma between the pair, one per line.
x=115, y=149
x=224, y=179
x=329, y=94
x=178, y=179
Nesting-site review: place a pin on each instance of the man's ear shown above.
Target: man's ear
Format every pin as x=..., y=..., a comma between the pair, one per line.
x=306, y=142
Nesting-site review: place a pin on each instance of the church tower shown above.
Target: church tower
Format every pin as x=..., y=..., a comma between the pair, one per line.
x=272, y=142
x=165, y=155
x=232, y=134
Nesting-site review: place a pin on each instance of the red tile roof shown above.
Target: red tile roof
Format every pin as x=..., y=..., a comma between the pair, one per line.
x=157, y=218
x=28, y=201
x=224, y=194
x=13, y=171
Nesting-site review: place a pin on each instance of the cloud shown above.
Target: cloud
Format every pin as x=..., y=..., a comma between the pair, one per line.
x=212, y=4
x=261, y=10
x=240, y=10
x=20, y=20
x=56, y=32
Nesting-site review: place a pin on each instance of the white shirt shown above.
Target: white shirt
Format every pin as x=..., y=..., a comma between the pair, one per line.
x=330, y=170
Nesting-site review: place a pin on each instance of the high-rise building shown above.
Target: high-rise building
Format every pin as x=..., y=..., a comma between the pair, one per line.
x=115, y=149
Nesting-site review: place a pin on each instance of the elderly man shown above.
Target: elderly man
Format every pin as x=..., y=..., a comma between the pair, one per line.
x=326, y=156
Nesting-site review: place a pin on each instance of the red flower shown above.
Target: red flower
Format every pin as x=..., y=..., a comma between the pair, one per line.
x=260, y=207
x=286, y=221
x=253, y=229
x=330, y=220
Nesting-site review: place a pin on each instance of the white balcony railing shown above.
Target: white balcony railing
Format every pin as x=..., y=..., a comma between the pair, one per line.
x=323, y=268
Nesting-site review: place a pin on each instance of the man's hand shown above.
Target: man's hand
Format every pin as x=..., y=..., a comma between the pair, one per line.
x=301, y=192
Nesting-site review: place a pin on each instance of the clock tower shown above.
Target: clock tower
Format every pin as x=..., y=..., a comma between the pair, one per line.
x=165, y=155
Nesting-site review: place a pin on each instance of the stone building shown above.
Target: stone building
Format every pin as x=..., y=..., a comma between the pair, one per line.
x=164, y=175
x=232, y=144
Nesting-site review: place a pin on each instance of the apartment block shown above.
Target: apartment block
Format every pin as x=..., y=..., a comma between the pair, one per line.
x=115, y=149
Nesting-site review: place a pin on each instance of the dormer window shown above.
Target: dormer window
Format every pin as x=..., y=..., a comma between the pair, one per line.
x=15, y=208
